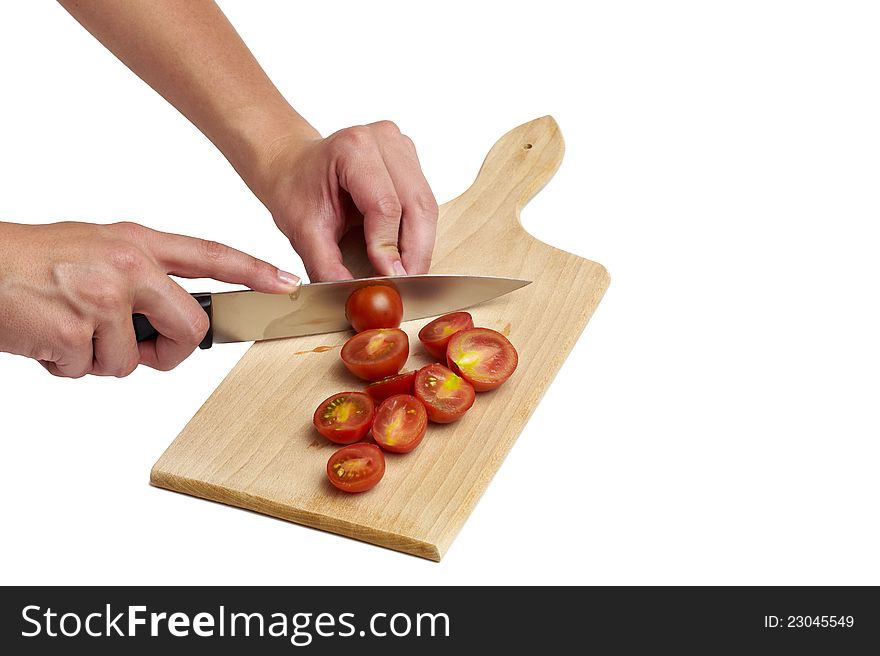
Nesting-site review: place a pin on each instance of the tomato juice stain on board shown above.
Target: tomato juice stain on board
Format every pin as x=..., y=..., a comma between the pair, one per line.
x=318, y=349
x=506, y=330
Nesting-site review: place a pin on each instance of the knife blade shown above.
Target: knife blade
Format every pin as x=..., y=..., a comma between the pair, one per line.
x=245, y=316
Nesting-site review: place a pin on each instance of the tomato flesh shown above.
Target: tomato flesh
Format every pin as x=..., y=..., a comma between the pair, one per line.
x=356, y=468
x=483, y=357
x=377, y=353
x=345, y=417
x=400, y=423
x=399, y=384
x=374, y=306
x=446, y=395
x=436, y=335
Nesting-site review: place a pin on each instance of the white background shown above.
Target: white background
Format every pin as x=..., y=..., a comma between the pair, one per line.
x=718, y=420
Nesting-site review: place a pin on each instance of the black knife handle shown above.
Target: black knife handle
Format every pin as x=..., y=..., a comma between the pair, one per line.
x=144, y=330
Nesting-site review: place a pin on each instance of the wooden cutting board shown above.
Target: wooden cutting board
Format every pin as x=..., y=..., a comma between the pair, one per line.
x=252, y=443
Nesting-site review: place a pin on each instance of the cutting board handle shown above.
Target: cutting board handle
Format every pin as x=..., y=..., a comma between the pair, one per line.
x=518, y=166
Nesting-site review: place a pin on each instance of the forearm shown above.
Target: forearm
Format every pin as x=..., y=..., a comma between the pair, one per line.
x=189, y=53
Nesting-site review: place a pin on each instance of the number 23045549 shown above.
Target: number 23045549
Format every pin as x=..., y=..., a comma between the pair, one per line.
x=809, y=621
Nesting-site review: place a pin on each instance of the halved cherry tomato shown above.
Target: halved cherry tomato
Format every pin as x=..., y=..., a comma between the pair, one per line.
x=345, y=417
x=376, y=306
x=399, y=384
x=446, y=396
x=482, y=356
x=400, y=423
x=356, y=468
x=375, y=354
x=435, y=335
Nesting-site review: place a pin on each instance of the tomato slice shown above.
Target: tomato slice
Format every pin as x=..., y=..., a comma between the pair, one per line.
x=435, y=335
x=345, y=417
x=446, y=396
x=400, y=423
x=399, y=384
x=374, y=306
x=483, y=357
x=356, y=468
x=377, y=353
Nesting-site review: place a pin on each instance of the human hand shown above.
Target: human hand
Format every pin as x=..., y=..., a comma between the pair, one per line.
x=318, y=188
x=68, y=292
x=315, y=188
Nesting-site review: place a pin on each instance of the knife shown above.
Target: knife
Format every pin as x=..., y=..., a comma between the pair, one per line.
x=319, y=307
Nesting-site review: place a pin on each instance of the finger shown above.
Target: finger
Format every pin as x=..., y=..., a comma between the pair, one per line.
x=363, y=175
x=191, y=257
x=49, y=366
x=75, y=352
x=115, y=348
x=321, y=256
x=418, y=223
x=53, y=369
x=176, y=316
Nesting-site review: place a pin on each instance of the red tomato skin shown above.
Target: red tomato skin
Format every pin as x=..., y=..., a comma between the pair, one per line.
x=482, y=385
x=398, y=384
x=350, y=434
x=422, y=423
x=436, y=412
x=357, y=450
x=437, y=347
x=375, y=371
x=374, y=306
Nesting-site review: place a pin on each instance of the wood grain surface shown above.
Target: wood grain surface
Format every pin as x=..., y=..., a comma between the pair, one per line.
x=252, y=443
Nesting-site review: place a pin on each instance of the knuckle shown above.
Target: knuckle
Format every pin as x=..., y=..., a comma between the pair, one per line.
x=387, y=127
x=357, y=137
x=128, y=229
x=165, y=365
x=213, y=250
x=256, y=268
x=125, y=257
x=198, y=327
x=380, y=249
x=409, y=143
x=74, y=336
x=126, y=366
x=427, y=207
x=389, y=207
x=106, y=296
x=52, y=370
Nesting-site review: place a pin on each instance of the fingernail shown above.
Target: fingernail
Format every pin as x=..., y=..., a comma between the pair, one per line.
x=288, y=279
x=398, y=268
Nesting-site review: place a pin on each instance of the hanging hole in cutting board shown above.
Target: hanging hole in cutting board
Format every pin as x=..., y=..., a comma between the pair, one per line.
x=527, y=146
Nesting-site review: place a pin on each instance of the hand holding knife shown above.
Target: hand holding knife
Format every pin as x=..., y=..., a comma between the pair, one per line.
x=244, y=316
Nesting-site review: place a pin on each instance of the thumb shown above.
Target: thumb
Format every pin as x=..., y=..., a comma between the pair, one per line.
x=190, y=257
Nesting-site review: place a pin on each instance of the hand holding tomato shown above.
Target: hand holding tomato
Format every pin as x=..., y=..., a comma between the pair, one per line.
x=317, y=189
